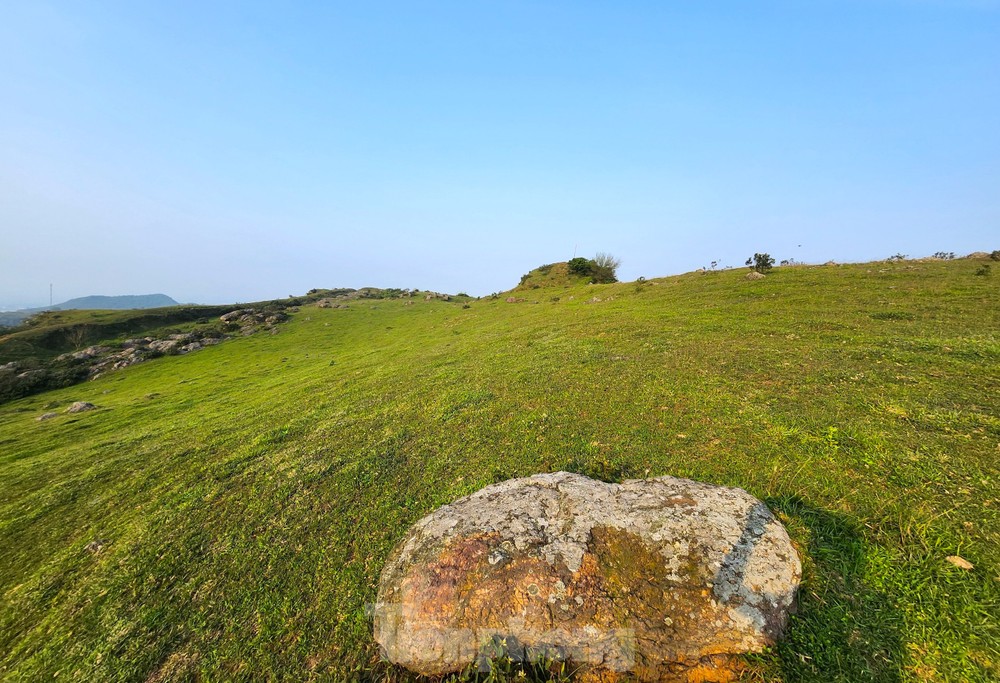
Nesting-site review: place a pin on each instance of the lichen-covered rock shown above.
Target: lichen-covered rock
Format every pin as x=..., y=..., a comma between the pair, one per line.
x=664, y=579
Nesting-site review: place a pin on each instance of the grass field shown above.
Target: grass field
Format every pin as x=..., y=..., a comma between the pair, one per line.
x=225, y=515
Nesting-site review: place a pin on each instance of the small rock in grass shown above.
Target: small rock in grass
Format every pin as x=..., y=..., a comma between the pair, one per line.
x=754, y=275
x=46, y=416
x=960, y=562
x=80, y=406
x=95, y=546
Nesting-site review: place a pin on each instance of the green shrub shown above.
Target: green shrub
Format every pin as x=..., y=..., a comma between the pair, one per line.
x=604, y=268
x=579, y=266
x=984, y=270
x=762, y=263
x=601, y=269
x=995, y=254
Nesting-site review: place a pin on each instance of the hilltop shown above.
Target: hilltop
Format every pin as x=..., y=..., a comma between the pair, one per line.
x=225, y=514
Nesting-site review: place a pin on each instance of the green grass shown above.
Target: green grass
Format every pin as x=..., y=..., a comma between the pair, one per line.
x=54, y=332
x=246, y=496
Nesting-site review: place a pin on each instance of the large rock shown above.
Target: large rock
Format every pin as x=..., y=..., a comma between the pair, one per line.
x=664, y=578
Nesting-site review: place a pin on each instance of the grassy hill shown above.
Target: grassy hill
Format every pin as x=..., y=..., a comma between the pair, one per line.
x=225, y=515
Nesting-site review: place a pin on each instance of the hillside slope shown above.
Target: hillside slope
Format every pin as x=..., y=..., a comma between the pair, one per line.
x=225, y=515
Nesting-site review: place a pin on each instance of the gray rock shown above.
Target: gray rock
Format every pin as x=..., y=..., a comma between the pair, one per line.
x=46, y=416
x=80, y=407
x=754, y=275
x=660, y=579
x=233, y=316
x=166, y=346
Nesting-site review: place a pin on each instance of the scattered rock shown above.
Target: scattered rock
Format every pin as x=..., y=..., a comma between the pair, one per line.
x=754, y=275
x=81, y=407
x=96, y=546
x=87, y=353
x=662, y=579
x=960, y=562
x=594, y=300
x=830, y=263
x=46, y=416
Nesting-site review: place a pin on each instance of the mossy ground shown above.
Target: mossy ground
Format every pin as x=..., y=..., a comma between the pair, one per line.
x=244, y=498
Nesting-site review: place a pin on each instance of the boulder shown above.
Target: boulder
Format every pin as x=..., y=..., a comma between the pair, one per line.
x=165, y=346
x=660, y=579
x=80, y=407
x=754, y=275
x=46, y=416
x=232, y=316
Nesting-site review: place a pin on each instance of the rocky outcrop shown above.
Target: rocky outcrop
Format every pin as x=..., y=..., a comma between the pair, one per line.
x=662, y=579
x=754, y=275
x=102, y=359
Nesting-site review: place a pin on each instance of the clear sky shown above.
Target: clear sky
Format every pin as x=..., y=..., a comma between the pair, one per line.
x=235, y=151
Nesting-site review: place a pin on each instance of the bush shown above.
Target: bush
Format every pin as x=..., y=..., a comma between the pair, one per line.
x=604, y=268
x=762, y=263
x=579, y=266
x=944, y=255
x=995, y=255
x=984, y=270
x=601, y=269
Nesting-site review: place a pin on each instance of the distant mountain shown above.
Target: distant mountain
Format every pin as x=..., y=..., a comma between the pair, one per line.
x=109, y=303
x=104, y=303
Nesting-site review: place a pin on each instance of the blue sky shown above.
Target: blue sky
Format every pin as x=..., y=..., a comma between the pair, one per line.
x=234, y=151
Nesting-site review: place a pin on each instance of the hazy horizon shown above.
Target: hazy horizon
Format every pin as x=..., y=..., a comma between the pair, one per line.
x=218, y=154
